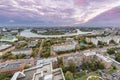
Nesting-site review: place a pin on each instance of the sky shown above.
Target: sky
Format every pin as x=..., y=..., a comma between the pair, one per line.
x=60, y=12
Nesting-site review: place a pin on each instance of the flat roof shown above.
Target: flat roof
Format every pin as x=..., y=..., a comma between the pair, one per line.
x=10, y=66
x=25, y=49
x=103, y=58
x=44, y=61
x=89, y=53
x=45, y=71
x=4, y=46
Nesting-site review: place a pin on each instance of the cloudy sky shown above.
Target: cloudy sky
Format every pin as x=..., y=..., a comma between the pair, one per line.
x=60, y=12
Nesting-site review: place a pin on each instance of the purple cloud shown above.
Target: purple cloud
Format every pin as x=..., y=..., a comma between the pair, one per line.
x=56, y=11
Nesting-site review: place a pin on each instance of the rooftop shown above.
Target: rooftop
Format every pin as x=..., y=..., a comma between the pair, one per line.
x=4, y=46
x=41, y=72
x=89, y=53
x=45, y=61
x=10, y=66
x=103, y=58
x=25, y=49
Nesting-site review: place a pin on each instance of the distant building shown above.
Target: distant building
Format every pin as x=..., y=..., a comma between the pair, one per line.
x=14, y=31
x=8, y=39
x=104, y=39
x=26, y=51
x=4, y=29
x=6, y=48
x=41, y=72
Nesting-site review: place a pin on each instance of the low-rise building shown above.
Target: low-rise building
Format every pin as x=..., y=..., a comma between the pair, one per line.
x=32, y=43
x=16, y=65
x=70, y=44
x=79, y=57
x=4, y=48
x=107, y=62
x=26, y=51
x=76, y=57
x=98, y=57
x=41, y=72
x=48, y=60
x=11, y=67
x=104, y=39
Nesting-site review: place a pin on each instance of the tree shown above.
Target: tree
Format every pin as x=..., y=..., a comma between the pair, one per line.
x=4, y=77
x=111, y=51
x=20, y=56
x=100, y=43
x=92, y=65
x=34, y=31
x=35, y=52
x=112, y=42
x=72, y=67
x=117, y=57
x=68, y=75
x=5, y=56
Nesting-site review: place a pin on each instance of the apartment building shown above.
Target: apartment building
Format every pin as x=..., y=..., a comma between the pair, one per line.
x=104, y=39
x=15, y=65
x=41, y=72
x=11, y=67
x=79, y=57
x=70, y=44
x=76, y=57
x=88, y=56
x=26, y=51
x=4, y=48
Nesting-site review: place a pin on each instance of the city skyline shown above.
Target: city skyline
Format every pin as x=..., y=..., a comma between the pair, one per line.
x=60, y=12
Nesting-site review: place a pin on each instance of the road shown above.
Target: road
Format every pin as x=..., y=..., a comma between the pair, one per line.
x=40, y=48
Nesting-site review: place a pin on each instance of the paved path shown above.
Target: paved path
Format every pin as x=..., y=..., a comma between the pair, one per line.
x=94, y=77
x=40, y=48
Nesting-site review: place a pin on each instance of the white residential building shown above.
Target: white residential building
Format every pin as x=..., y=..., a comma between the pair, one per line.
x=41, y=72
x=105, y=39
x=46, y=61
x=27, y=51
x=70, y=44
x=4, y=48
x=98, y=57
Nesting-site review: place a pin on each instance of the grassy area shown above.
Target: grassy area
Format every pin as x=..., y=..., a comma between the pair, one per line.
x=87, y=75
x=54, y=32
x=95, y=78
x=79, y=74
x=111, y=71
x=7, y=37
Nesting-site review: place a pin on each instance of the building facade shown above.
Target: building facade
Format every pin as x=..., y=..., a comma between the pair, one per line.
x=27, y=51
